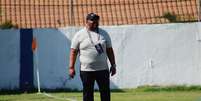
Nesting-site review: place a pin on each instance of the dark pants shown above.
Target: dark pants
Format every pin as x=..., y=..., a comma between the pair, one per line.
x=88, y=79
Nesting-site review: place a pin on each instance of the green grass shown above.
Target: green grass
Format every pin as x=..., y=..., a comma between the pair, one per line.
x=116, y=96
x=145, y=93
x=168, y=88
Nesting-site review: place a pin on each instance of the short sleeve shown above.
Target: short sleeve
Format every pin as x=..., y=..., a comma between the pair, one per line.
x=75, y=41
x=108, y=40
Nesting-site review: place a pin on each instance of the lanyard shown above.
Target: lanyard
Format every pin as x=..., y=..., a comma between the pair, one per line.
x=91, y=37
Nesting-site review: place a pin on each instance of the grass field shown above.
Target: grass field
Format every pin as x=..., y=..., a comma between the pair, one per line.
x=123, y=95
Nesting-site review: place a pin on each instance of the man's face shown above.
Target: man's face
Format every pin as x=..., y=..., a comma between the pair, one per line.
x=92, y=25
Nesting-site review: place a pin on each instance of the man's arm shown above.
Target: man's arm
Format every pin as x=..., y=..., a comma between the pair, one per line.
x=111, y=57
x=73, y=55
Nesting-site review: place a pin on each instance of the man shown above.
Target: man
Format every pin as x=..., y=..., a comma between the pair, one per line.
x=93, y=46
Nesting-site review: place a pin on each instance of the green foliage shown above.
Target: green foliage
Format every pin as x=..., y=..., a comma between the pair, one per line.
x=168, y=88
x=170, y=17
x=7, y=25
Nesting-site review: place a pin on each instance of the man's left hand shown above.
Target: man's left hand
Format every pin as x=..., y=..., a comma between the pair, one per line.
x=113, y=70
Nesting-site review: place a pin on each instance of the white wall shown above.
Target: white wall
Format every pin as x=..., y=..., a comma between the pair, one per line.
x=167, y=54
x=9, y=59
x=157, y=55
x=52, y=56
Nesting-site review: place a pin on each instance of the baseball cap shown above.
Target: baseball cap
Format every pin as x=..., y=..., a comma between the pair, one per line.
x=92, y=17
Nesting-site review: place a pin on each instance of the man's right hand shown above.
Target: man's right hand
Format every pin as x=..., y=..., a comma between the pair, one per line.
x=73, y=54
x=71, y=72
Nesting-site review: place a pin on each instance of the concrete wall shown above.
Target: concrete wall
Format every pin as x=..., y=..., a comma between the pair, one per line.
x=157, y=55
x=9, y=59
x=167, y=54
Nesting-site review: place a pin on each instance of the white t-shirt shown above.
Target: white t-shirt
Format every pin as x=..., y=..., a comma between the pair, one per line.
x=90, y=59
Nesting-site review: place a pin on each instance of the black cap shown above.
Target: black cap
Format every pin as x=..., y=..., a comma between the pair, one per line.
x=92, y=17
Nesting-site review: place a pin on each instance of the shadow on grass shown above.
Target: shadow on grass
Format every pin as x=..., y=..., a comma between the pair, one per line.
x=13, y=92
x=18, y=91
x=138, y=89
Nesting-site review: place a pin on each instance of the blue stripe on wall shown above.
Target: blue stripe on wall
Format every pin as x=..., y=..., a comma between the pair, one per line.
x=26, y=59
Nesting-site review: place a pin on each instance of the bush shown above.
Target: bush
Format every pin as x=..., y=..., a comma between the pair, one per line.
x=170, y=17
x=7, y=25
